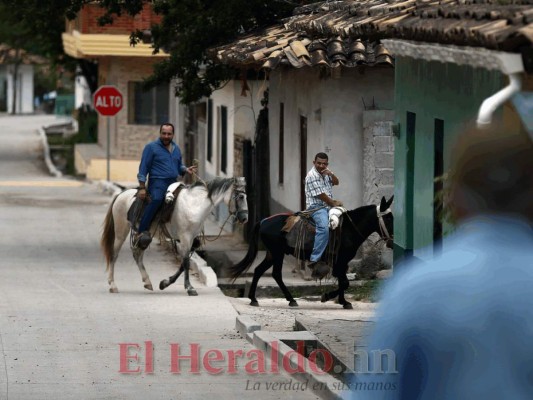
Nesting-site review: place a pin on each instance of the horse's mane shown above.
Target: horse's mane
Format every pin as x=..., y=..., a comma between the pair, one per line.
x=218, y=186
x=361, y=212
x=213, y=187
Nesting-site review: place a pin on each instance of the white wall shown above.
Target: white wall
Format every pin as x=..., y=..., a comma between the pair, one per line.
x=334, y=110
x=242, y=116
x=24, y=89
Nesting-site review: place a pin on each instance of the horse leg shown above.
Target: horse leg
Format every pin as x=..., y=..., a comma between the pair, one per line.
x=167, y=282
x=258, y=273
x=120, y=237
x=343, y=285
x=111, y=275
x=191, y=291
x=278, y=277
x=138, y=255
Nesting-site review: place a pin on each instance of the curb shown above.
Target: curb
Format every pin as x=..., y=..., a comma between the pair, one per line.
x=274, y=347
x=205, y=272
x=47, y=159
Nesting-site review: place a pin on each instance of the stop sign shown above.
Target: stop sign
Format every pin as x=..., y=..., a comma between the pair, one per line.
x=107, y=100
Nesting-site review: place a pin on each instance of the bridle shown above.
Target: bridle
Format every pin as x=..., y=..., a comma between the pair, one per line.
x=237, y=191
x=384, y=232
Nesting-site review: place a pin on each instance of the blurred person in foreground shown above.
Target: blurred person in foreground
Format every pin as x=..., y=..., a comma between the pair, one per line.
x=460, y=326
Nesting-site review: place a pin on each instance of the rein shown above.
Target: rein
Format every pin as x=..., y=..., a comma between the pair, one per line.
x=235, y=193
x=384, y=233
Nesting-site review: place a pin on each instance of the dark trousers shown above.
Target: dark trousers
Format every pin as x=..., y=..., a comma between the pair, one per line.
x=157, y=189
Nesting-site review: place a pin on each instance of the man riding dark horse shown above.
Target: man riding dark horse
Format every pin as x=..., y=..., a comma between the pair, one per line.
x=356, y=226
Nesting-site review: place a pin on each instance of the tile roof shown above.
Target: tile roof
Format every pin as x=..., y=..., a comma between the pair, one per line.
x=279, y=45
x=494, y=24
x=7, y=55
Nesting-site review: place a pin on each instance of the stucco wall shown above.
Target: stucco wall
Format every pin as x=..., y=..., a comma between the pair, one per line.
x=334, y=110
x=242, y=115
x=25, y=88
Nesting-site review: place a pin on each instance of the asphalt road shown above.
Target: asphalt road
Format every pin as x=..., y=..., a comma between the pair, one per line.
x=64, y=336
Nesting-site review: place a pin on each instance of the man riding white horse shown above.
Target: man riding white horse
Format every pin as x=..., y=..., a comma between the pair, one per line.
x=161, y=163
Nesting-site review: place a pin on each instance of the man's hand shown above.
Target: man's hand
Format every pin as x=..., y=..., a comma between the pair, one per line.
x=193, y=169
x=327, y=171
x=336, y=203
x=141, y=193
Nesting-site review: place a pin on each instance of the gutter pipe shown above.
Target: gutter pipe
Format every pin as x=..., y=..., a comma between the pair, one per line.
x=511, y=65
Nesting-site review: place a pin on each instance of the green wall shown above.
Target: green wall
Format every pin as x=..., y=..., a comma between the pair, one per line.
x=430, y=90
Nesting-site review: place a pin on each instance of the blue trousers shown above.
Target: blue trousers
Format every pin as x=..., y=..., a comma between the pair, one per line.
x=157, y=189
x=321, y=218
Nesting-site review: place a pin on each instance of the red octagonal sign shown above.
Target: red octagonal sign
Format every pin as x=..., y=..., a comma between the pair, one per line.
x=108, y=100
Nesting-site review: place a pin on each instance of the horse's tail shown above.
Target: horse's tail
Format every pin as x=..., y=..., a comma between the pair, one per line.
x=107, y=242
x=237, y=269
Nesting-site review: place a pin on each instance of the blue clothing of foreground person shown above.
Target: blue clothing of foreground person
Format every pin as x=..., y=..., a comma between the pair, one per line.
x=460, y=326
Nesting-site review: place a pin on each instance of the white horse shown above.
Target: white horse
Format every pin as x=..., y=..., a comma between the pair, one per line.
x=192, y=207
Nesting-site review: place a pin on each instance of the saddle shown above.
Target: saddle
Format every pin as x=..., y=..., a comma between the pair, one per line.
x=135, y=212
x=300, y=231
x=162, y=215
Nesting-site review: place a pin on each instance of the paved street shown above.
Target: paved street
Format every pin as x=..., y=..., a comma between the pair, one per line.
x=61, y=330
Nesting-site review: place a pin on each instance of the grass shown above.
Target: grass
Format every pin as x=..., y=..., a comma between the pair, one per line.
x=368, y=291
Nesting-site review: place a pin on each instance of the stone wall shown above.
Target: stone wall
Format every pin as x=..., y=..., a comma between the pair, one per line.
x=378, y=163
x=378, y=178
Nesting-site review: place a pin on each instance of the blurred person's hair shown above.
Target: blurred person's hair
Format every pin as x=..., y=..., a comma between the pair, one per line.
x=492, y=173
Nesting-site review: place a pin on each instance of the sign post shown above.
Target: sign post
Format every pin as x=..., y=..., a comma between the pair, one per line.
x=108, y=101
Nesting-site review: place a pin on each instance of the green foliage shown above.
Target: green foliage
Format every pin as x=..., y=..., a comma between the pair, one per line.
x=35, y=26
x=189, y=28
x=368, y=291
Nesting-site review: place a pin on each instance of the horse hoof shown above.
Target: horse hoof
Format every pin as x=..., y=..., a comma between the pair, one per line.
x=347, y=306
x=149, y=286
x=163, y=284
x=113, y=290
x=254, y=303
x=293, y=303
x=324, y=298
x=192, y=292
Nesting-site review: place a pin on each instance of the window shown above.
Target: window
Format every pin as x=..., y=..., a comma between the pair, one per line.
x=281, y=149
x=210, y=130
x=147, y=107
x=410, y=180
x=438, y=184
x=224, y=139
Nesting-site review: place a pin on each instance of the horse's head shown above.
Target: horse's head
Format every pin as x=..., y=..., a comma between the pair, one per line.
x=386, y=221
x=238, y=204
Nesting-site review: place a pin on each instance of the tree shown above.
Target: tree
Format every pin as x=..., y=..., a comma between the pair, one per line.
x=36, y=27
x=188, y=29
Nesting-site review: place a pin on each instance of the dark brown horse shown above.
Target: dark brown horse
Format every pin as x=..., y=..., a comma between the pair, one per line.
x=357, y=225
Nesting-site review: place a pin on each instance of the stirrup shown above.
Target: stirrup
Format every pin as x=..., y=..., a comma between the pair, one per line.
x=142, y=240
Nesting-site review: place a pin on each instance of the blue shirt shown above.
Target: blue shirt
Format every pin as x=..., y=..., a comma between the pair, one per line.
x=460, y=325
x=158, y=162
x=316, y=184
